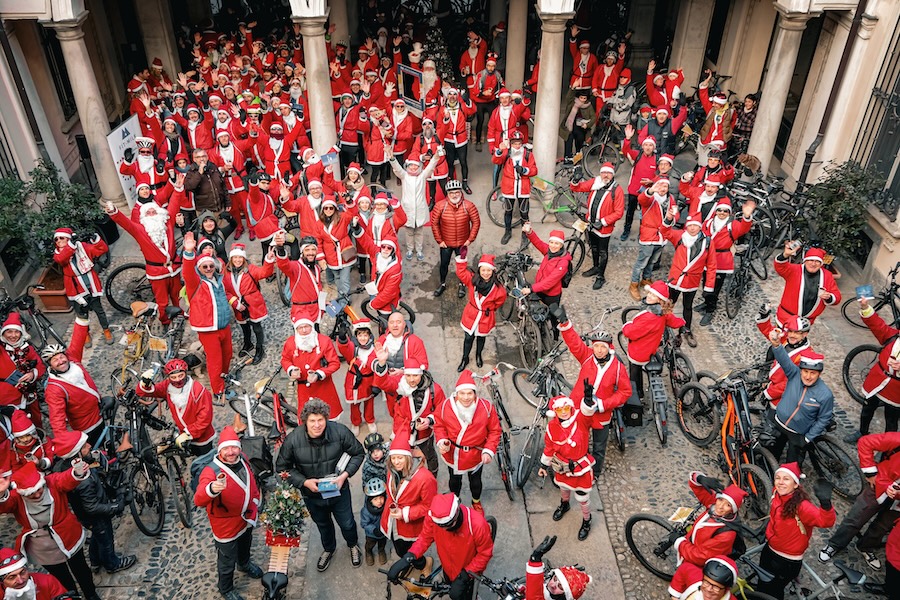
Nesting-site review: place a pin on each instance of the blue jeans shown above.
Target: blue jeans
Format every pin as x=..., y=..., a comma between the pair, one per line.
x=102, y=549
x=643, y=266
x=342, y=276
x=341, y=509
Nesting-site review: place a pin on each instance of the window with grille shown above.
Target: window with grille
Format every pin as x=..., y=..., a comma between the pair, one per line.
x=58, y=73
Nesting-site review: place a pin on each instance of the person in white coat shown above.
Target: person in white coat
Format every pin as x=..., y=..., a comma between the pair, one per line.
x=412, y=198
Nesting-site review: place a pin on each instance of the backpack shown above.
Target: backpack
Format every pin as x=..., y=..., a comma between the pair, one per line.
x=567, y=278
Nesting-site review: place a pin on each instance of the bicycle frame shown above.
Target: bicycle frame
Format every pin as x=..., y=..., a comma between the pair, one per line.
x=793, y=589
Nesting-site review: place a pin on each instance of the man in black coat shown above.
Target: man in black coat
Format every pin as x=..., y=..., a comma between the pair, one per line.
x=324, y=453
x=206, y=182
x=91, y=504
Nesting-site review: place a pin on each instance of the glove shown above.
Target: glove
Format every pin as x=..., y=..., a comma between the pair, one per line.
x=765, y=309
x=537, y=555
x=520, y=169
x=463, y=252
x=128, y=154
x=147, y=378
x=589, y=393
x=518, y=101
x=182, y=438
x=559, y=312
x=823, y=490
x=710, y=483
x=160, y=167
x=118, y=507
x=398, y=567
x=458, y=587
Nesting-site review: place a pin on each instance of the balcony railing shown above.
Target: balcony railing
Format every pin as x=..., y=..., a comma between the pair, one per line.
x=888, y=203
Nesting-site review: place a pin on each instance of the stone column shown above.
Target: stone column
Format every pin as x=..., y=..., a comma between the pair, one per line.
x=779, y=72
x=339, y=18
x=155, y=20
x=641, y=17
x=497, y=14
x=90, y=105
x=546, y=126
x=321, y=109
x=691, y=33
x=353, y=20
x=516, y=35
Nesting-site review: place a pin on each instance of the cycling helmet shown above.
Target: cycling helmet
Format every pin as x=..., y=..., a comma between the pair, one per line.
x=721, y=570
x=601, y=336
x=799, y=324
x=373, y=440
x=308, y=241
x=51, y=350
x=516, y=136
x=263, y=176
x=374, y=487
x=454, y=184
x=176, y=365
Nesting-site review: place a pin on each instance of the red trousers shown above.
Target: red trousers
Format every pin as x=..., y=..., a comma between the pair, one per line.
x=217, y=345
x=165, y=291
x=391, y=399
x=368, y=412
x=237, y=207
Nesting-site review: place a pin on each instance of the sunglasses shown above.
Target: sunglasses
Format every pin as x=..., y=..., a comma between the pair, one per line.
x=145, y=152
x=207, y=267
x=328, y=208
x=722, y=210
x=56, y=239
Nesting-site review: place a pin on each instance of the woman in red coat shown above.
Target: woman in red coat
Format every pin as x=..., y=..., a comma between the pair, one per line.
x=387, y=271
x=567, y=451
x=310, y=359
x=466, y=431
x=792, y=518
x=486, y=296
x=242, y=282
x=335, y=244
x=554, y=266
x=410, y=490
x=359, y=354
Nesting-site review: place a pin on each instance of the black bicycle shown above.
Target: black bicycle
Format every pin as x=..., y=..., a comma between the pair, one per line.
x=126, y=284
x=504, y=449
x=886, y=303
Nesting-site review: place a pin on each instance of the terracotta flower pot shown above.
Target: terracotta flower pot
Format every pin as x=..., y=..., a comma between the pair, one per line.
x=53, y=296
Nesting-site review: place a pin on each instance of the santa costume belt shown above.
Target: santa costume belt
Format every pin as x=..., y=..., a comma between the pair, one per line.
x=723, y=250
x=305, y=303
x=465, y=448
x=159, y=185
x=156, y=264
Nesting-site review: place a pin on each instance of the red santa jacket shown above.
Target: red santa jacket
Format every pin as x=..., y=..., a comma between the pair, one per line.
x=232, y=511
x=403, y=131
x=709, y=536
x=409, y=346
x=347, y=121
x=360, y=378
x=548, y=279
x=480, y=312
x=892, y=549
x=472, y=62
x=195, y=417
x=155, y=179
x=387, y=279
x=662, y=96
x=686, y=271
x=777, y=378
x=409, y=409
x=468, y=548
x=421, y=147
x=512, y=183
x=605, y=206
x=583, y=67
x=468, y=441
x=606, y=80
x=645, y=331
x=63, y=527
x=23, y=358
x=413, y=496
x=888, y=470
x=724, y=239
x=374, y=141
x=233, y=155
x=789, y=536
x=486, y=86
x=199, y=133
x=452, y=122
x=610, y=381
x=882, y=380
x=335, y=241
x=322, y=360
x=260, y=210
x=71, y=400
x=305, y=285
x=79, y=277
x=504, y=121
x=794, y=285
x=161, y=261
x=244, y=285
x=643, y=167
x=275, y=157
x=379, y=228
x=206, y=313
x=569, y=442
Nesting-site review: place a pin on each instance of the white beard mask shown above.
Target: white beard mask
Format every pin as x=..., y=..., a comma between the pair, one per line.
x=382, y=264
x=403, y=388
x=145, y=162
x=313, y=159
x=308, y=342
x=275, y=144
x=429, y=78
x=28, y=592
x=718, y=224
x=689, y=240
x=74, y=375
x=156, y=228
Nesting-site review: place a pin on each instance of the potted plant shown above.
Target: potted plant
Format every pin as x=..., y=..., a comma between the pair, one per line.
x=31, y=211
x=838, y=208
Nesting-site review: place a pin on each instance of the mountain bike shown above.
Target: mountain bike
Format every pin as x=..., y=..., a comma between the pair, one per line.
x=504, y=450
x=601, y=150
x=142, y=343
x=737, y=284
x=126, y=284
x=886, y=303
x=177, y=463
x=562, y=203
x=34, y=320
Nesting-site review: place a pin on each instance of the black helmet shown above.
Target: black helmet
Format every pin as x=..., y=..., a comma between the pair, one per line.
x=717, y=569
x=373, y=440
x=601, y=336
x=308, y=241
x=263, y=176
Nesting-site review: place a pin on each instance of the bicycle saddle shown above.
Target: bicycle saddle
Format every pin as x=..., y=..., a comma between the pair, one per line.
x=139, y=309
x=852, y=575
x=173, y=311
x=764, y=576
x=654, y=367
x=274, y=584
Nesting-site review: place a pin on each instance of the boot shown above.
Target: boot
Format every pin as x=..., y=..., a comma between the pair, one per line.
x=260, y=337
x=645, y=282
x=466, y=187
x=247, y=345
x=238, y=232
x=107, y=336
x=592, y=272
x=370, y=552
x=633, y=290
x=478, y=360
x=507, y=235
x=688, y=337
x=584, y=530
x=561, y=510
x=382, y=556
x=252, y=234
x=462, y=364
x=460, y=291
x=440, y=290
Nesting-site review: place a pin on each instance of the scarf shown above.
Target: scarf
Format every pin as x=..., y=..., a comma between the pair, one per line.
x=393, y=344
x=481, y=286
x=570, y=120
x=718, y=224
x=404, y=389
x=227, y=152
x=704, y=198
x=689, y=240
x=180, y=396
x=399, y=117
x=289, y=120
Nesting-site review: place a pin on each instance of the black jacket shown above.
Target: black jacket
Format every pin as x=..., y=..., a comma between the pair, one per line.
x=89, y=501
x=313, y=458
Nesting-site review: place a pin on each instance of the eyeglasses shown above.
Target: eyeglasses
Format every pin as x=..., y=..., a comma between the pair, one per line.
x=56, y=239
x=713, y=587
x=207, y=267
x=722, y=210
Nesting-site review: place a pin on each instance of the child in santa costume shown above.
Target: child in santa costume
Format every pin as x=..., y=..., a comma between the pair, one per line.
x=359, y=354
x=564, y=583
x=24, y=358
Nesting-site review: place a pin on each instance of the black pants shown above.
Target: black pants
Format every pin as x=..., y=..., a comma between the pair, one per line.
x=190, y=216
x=444, y=266
x=460, y=153
x=431, y=458
x=687, y=304
x=636, y=374
x=432, y=190
x=364, y=267
x=468, y=340
x=796, y=445
x=482, y=109
x=94, y=435
x=599, y=439
x=75, y=569
x=200, y=449
x=341, y=509
x=475, y=485
x=230, y=555
x=629, y=212
x=401, y=547
x=711, y=301
x=599, y=252
x=511, y=204
x=575, y=141
x=380, y=173
x=867, y=413
x=892, y=581
x=549, y=300
x=865, y=509
x=102, y=548
x=93, y=304
x=467, y=594
x=784, y=569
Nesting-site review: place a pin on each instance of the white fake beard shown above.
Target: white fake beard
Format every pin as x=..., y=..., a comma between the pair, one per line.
x=275, y=144
x=382, y=263
x=145, y=162
x=689, y=240
x=704, y=198
x=308, y=342
x=718, y=224
x=155, y=227
x=179, y=396
x=429, y=78
x=290, y=120
x=315, y=203
x=296, y=92
x=314, y=159
x=516, y=154
x=29, y=592
x=661, y=198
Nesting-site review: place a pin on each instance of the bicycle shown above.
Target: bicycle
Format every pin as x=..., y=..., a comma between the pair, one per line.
x=34, y=320
x=563, y=204
x=504, y=450
x=126, y=284
x=341, y=310
x=376, y=316
x=885, y=303
x=737, y=284
x=259, y=407
x=176, y=462
x=601, y=150
x=856, y=367
x=141, y=343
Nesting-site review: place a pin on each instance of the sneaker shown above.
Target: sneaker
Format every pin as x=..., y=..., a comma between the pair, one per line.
x=219, y=399
x=706, y=320
x=238, y=233
x=420, y=256
x=325, y=560
x=827, y=553
x=107, y=337
x=126, y=562
x=871, y=559
x=355, y=556
x=252, y=570
x=689, y=338
x=232, y=595
x=592, y=272
x=852, y=438
x=373, y=427
x=624, y=235
x=252, y=235
x=409, y=254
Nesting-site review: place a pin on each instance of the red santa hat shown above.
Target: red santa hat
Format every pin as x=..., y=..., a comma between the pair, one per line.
x=144, y=142
x=354, y=166
x=391, y=242
x=193, y=108
x=812, y=360
x=371, y=72
x=694, y=219
x=713, y=179
x=444, y=508
x=361, y=324
x=13, y=322
x=208, y=258
x=663, y=110
x=381, y=198
x=412, y=367
x=503, y=92
x=10, y=561
x=666, y=157
x=608, y=168
x=400, y=445
x=170, y=120
x=557, y=235
x=584, y=44
x=650, y=139
x=276, y=127
x=63, y=232
x=626, y=73
x=146, y=205
x=719, y=99
x=228, y=437
x=501, y=26
x=238, y=250
x=222, y=132
x=491, y=57
x=814, y=254
x=68, y=443
x=792, y=470
x=313, y=183
x=303, y=321
x=573, y=581
x=487, y=260
x=354, y=82
x=157, y=63
x=466, y=381
x=723, y=203
x=214, y=96
x=561, y=402
x=658, y=289
x=329, y=202
x=21, y=424
x=734, y=495
x=135, y=85
x=27, y=479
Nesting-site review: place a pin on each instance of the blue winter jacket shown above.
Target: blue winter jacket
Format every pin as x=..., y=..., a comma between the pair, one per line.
x=804, y=410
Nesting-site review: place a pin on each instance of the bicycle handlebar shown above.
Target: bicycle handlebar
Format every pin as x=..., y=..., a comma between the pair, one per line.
x=495, y=371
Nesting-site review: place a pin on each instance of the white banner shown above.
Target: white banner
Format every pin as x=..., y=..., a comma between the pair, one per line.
x=119, y=139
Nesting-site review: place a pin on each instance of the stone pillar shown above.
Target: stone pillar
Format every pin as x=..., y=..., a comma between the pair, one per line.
x=321, y=109
x=641, y=17
x=691, y=33
x=155, y=20
x=339, y=18
x=497, y=14
x=516, y=36
x=546, y=126
x=779, y=72
x=353, y=20
x=90, y=105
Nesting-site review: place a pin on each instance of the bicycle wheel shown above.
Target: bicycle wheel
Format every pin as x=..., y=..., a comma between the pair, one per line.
x=699, y=414
x=575, y=247
x=857, y=364
x=494, y=205
x=181, y=493
x=850, y=311
x=618, y=429
x=564, y=206
x=281, y=282
x=832, y=462
x=707, y=378
x=408, y=313
x=525, y=388
x=531, y=344
x=765, y=460
x=648, y=538
x=598, y=153
x=530, y=456
x=758, y=264
x=126, y=284
x=763, y=225
x=504, y=464
x=681, y=371
x=148, y=507
x=260, y=412
x=758, y=486
x=734, y=293
x=659, y=419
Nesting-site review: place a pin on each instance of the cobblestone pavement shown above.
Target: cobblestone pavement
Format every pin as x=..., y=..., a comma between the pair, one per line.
x=180, y=563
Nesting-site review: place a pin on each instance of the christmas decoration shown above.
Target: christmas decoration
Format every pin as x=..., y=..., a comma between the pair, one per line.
x=285, y=515
x=436, y=49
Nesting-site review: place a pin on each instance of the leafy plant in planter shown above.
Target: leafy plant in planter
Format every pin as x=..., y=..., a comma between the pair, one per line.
x=838, y=206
